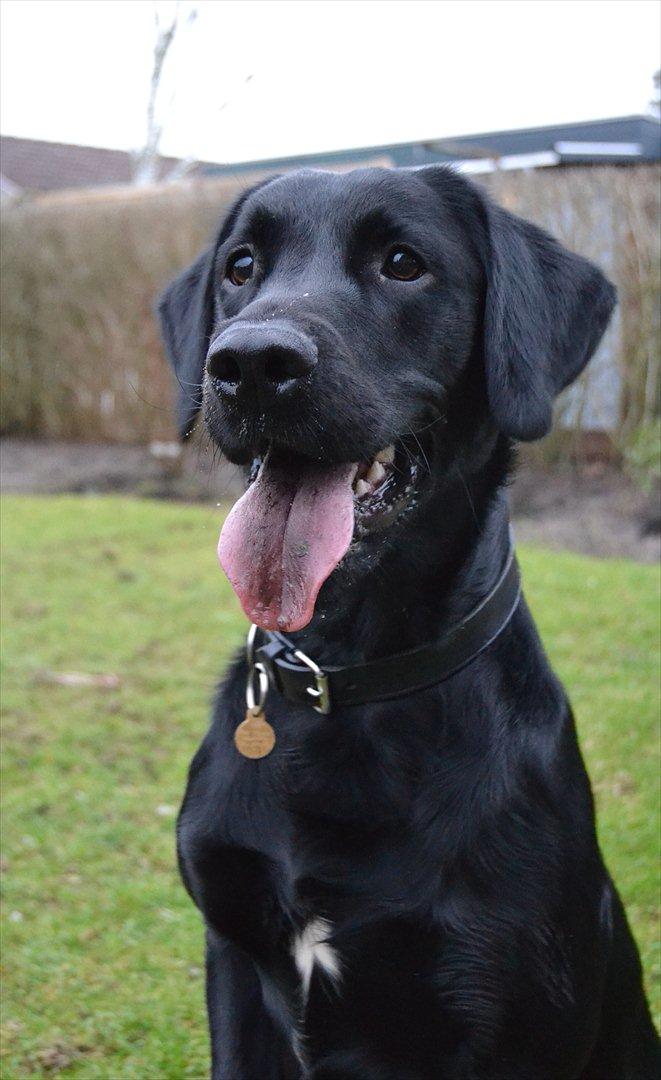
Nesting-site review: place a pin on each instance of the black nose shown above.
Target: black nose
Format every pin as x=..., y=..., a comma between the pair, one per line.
x=265, y=358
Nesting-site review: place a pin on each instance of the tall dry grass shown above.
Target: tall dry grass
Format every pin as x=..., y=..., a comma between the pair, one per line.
x=80, y=350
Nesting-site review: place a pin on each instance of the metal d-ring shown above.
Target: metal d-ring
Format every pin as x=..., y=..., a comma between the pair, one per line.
x=255, y=704
x=250, y=645
x=320, y=690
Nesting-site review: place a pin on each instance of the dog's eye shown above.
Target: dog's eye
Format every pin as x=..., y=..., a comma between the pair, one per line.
x=240, y=267
x=403, y=265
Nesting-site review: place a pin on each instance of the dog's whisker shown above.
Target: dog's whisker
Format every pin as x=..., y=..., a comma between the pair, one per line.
x=422, y=452
x=192, y=385
x=150, y=404
x=468, y=496
x=426, y=427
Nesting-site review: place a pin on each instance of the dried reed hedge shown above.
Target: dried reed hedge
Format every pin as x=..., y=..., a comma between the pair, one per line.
x=80, y=351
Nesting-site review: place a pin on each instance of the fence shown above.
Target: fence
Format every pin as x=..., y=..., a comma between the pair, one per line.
x=80, y=350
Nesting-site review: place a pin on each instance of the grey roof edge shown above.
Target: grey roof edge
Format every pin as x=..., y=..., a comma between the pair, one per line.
x=364, y=152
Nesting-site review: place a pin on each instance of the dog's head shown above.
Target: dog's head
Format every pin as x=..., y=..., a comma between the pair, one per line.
x=346, y=332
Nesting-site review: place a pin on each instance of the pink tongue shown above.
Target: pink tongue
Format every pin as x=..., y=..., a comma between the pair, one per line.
x=284, y=537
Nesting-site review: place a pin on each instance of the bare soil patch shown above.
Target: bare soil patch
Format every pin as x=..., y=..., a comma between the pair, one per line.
x=598, y=511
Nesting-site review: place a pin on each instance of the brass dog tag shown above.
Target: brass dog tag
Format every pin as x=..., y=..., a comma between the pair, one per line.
x=254, y=737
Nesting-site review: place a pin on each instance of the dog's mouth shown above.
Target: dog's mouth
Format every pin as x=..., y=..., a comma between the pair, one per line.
x=296, y=522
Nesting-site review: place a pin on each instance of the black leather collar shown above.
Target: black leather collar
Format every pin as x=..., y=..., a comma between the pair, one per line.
x=300, y=680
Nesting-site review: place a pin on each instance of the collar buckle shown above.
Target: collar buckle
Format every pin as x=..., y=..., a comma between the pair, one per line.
x=267, y=665
x=320, y=691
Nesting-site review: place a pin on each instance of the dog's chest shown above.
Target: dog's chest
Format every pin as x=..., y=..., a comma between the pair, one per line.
x=274, y=850
x=300, y=895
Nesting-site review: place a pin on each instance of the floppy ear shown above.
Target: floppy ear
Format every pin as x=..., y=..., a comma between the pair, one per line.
x=186, y=314
x=545, y=312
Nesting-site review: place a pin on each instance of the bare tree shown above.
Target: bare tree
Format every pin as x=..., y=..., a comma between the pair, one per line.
x=146, y=162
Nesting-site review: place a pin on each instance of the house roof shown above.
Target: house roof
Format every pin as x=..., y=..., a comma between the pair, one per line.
x=38, y=165
x=621, y=139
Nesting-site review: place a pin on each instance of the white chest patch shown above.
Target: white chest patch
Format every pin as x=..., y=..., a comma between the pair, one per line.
x=311, y=947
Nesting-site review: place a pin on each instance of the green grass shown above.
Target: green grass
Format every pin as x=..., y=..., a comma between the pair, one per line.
x=102, y=949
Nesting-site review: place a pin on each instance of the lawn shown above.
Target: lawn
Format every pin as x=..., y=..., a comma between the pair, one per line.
x=102, y=949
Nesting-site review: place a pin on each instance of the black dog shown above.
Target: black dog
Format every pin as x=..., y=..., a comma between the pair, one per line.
x=410, y=887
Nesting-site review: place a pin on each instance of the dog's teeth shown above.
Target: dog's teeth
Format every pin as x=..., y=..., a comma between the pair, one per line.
x=387, y=456
x=361, y=487
x=376, y=473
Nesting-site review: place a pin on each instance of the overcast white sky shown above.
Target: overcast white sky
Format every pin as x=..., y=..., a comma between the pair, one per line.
x=326, y=74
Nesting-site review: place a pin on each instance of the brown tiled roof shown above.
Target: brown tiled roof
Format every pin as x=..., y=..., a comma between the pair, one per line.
x=37, y=165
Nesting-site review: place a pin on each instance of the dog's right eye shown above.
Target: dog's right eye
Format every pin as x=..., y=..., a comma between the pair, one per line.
x=240, y=267
x=402, y=265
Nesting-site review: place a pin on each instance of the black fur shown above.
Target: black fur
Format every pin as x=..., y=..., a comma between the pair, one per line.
x=186, y=312
x=448, y=837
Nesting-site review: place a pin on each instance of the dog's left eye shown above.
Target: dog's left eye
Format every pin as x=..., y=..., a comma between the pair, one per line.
x=403, y=265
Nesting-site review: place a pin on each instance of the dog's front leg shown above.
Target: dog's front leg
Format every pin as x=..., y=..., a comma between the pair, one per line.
x=245, y=1043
